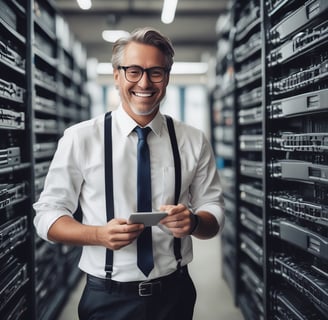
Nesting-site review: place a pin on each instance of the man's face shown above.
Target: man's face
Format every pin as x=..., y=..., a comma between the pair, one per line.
x=141, y=99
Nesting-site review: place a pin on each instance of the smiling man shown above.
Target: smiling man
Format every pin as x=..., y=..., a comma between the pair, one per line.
x=141, y=72
x=134, y=159
x=142, y=88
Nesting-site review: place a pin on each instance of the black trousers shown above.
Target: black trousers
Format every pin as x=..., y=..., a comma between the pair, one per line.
x=171, y=298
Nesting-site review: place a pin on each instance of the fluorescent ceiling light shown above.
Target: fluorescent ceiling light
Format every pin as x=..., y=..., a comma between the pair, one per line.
x=182, y=68
x=84, y=4
x=189, y=68
x=168, y=12
x=104, y=68
x=113, y=35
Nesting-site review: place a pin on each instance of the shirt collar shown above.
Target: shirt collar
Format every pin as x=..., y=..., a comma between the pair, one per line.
x=127, y=124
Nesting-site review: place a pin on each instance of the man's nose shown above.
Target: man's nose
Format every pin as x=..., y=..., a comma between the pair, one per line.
x=144, y=80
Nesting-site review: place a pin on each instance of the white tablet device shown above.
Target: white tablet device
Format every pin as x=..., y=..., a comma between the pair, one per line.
x=147, y=218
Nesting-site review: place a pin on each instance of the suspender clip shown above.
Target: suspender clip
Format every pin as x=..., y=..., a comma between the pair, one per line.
x=109, y=271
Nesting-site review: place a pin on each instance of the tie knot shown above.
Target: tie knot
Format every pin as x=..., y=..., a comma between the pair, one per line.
x=142, y=132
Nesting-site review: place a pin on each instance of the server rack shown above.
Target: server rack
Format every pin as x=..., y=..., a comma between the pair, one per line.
x=297, y=189
x=281, y=107
x=42, y=92
x=223, y=137
x=247, y=53
x=16, y=241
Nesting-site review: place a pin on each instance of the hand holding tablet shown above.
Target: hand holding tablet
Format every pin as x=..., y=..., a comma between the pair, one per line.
x=147, y=218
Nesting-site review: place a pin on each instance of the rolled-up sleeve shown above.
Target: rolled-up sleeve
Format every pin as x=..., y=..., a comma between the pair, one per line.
x=62, y=185
x=206, y=189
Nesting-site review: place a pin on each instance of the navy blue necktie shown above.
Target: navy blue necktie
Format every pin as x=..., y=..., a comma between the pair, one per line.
x=144, y=242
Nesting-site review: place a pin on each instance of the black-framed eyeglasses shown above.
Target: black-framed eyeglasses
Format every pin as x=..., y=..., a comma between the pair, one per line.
x=134, y=73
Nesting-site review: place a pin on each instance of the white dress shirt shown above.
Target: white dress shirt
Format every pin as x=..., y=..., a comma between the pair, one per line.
x=76, y=175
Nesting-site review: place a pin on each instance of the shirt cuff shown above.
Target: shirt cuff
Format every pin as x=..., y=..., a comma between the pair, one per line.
x=217, y=212
x=44, y=220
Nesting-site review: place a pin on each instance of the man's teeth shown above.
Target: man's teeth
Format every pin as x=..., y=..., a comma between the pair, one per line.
x=143, y=95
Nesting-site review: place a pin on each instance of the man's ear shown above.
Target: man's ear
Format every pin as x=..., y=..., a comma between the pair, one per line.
x=116, y=75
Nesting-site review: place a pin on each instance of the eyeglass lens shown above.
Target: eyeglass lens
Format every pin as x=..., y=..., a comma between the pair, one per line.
x=135, y=73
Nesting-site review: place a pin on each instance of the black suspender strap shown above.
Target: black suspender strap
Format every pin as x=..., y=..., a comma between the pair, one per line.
x=177, y=190
x=109, y=184
x=177, y=161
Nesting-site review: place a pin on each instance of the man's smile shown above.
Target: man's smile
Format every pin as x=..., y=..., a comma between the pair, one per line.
x=143, y=94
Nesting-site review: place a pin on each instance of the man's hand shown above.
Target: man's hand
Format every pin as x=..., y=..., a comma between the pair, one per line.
x=114, y=235
x=117, y=234
x=179, y=221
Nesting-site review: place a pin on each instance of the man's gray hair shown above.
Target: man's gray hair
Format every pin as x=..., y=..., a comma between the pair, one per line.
x=147, y=36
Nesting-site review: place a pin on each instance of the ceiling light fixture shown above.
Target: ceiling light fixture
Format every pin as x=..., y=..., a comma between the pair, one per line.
x=168, y=12
x=189, y=68
x=113, y=35
x=84, y=4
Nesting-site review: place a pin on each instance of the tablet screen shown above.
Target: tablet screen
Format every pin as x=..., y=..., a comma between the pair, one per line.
x=147, y=218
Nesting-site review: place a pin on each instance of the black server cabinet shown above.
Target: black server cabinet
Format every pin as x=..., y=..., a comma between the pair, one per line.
x=247, y=57
x=42, y=91
x=297, y=130
x=223, y=136
x=59, y=99
x=16, y=238
x=49, y=275
x=280, y=168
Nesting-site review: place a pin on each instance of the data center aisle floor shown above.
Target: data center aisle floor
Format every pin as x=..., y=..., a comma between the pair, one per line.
x=214, y=300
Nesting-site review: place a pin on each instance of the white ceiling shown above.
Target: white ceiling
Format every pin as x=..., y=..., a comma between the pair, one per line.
x=192, y=32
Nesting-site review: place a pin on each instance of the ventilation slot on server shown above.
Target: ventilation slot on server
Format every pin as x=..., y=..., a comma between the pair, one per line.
x=304, y=278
